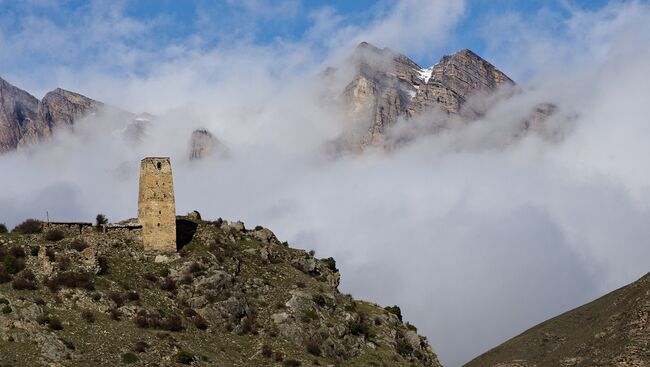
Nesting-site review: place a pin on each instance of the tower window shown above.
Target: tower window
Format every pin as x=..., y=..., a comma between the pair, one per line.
x=159, y=165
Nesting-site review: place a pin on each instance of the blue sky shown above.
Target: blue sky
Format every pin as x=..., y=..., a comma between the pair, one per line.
x=265, y=22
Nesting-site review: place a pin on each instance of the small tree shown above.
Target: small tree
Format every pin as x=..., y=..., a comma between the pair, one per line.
x=100, y=220
x=3, y=228
x=29, y=226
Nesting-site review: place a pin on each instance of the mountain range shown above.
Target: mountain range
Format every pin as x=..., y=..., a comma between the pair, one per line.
x=383, y=89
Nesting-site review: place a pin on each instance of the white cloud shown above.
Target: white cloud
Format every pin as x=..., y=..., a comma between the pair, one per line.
x=475, y=239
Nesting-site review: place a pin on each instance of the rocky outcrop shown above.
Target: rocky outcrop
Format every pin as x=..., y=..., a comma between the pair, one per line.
x=610, y=331
x=388, y=86
x=232, y=297
x=25, y=120
x=202, y=143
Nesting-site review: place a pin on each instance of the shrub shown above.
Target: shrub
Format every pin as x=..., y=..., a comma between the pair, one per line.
x=267, y=352
x=312, y=253
x=173, y=323
x=128, y=358
x=394, y=310
x=403, y=347
x=168, y=285
x=360, y=326
x=88, y=316
x=4, y=301
x=151, y=277
x=115, y=314
x=194, y=267
x=68, y=344
x=308, y=316
x=55, y=324
x=184, y=357
x=278, y=357
x=140, y=347
x=73, y=279
x=54, y=235
x=29, y=226
x=4, y=274
x=13, y=264
x=102, y=262
x=27, y=281
x=17, y=251
x=64, y=262
x=79, y=245
x=200, y=322
x=164, y=272
x=331, y=264
x=117, y=298
x=43, y=319
x=187, y=279
x=248, y=325
x=313, y=347
x=319, y=299
x=33, y=250
x=3, y=228
x=132, y=295
x=6, y=309
x=100, y=219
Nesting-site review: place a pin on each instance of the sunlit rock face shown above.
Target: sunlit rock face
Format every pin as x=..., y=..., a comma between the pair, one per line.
x=18, y=115
x=26, y=120
x=388, y=86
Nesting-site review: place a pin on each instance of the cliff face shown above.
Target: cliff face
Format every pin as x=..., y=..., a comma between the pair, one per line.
x=18, y=115
x=26, y=120
x=388, y=86
x=613, y=330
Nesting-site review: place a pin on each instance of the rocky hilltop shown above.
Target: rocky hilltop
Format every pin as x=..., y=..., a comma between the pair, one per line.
x=388, y=86
x=72, y=295
x=613, y=330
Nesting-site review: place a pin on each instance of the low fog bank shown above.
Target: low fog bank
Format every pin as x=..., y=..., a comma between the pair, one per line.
x=475, y=234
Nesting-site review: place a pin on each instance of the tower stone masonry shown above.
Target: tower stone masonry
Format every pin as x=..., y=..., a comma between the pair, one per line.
x=156, y=207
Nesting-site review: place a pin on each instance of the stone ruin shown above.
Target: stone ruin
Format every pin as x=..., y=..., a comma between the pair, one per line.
x=156, y=207
x=157, y=220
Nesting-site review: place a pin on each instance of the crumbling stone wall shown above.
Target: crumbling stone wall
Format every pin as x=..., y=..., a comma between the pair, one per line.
x=156, y=207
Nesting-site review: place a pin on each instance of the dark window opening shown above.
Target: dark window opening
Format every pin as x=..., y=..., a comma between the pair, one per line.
x=158, y=224
x=159, y=165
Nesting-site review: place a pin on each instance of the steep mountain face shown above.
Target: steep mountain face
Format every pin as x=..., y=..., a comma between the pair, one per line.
x=613, y=330
x=388, y=86
x=26, y=120
x=18, y=114
x=71, y=295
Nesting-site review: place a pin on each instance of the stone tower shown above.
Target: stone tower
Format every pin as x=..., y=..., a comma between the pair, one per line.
x=156, y=208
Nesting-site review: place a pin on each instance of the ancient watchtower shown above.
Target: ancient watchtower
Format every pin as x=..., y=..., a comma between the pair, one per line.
x=156, y=208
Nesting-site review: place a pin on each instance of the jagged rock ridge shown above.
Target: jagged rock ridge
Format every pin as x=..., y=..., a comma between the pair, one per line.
x=613, y=330
x=25, y=120
x=388, y=86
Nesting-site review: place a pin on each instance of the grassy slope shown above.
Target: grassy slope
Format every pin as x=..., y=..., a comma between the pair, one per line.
x=611, y=330
x=105, y=341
